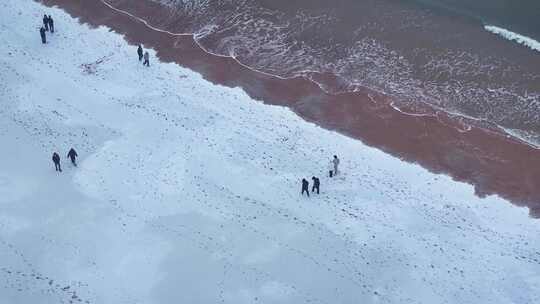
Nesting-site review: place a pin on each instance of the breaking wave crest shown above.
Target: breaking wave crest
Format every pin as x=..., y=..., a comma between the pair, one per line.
x=509, y=35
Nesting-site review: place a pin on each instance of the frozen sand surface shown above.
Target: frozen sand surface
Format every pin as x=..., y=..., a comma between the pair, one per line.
x=189, y=192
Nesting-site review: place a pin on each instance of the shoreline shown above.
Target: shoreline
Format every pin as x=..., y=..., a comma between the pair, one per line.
x=493, y=162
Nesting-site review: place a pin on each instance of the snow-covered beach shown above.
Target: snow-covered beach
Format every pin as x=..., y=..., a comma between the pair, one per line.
x=188, y=192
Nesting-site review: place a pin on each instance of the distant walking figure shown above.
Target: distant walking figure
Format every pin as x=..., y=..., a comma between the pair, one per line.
x=46, y=22
x=146, y=59
x=316, y=184
x=42, y=33
x=72, y=155
x=56, y=160
x=335, y=161
x=305, y=186
x=51, y=24
x=140, y=52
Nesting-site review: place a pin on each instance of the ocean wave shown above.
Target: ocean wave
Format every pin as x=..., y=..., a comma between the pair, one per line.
x=465, y=73
x=509, y=35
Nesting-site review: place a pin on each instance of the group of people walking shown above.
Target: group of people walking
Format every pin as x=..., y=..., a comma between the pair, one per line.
x=144, y=56
x=72, y=154
x=316, y=185
x=48, y=25
x=316, y=181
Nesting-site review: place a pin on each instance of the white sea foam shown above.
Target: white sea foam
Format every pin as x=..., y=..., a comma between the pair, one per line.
x=526, y=41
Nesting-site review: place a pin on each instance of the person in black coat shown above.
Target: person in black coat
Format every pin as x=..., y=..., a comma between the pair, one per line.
x=140, y=52
x=316, y=184
x=51, y=24
x=46, y=22
x=72, y=154
x=42, y=34
x=305, y=186
x=56, y=160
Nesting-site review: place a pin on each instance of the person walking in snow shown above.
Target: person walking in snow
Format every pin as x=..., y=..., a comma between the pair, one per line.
x=146, y=59
x=56, y=160
x=46, y=22
x=140, y=52
x=42, y=34
x=72, y=154
x=51, y=24
x=335, y=161
x=305, y=186
x=316, y=184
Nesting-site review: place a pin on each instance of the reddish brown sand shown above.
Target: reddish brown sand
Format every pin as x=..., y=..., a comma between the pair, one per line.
x=493, y=162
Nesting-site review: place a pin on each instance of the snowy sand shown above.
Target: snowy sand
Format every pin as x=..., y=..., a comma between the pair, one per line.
x=189, y=192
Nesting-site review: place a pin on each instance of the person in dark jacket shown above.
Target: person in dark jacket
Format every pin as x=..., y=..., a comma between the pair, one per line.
x=316, y=184
x=140, y=52
x=305, y=186
x=46, y=22
x=42, y=33
x=72, y=155
x=51, y=24
x=56, y=160
x=146, y=59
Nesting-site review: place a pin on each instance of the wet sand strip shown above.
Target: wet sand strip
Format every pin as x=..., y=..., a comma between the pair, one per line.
x=493, y=162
